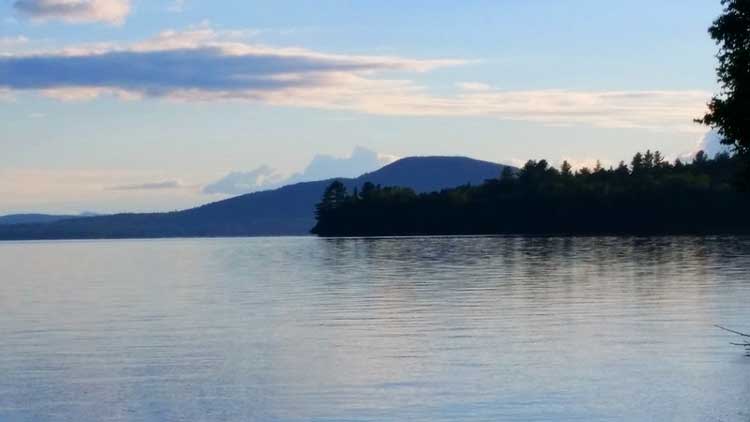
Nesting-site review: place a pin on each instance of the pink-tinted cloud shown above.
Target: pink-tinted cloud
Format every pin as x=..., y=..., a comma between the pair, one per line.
x=75, y=11
x=203, y=64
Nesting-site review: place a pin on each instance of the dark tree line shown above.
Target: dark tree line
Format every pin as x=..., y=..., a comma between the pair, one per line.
x=647, y=196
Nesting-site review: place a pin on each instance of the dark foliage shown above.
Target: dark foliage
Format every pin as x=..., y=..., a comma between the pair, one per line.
x=651, y=196
x=728, y=111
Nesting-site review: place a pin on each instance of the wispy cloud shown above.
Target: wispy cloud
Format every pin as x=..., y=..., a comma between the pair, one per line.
x=473, y=86
x=192, y=65
x=73, y=190
x=653, y=110
x=13, y=41
x=14, y=44
x=203, y=64
x=6, y=95
x=75, y=11
x=169, y=184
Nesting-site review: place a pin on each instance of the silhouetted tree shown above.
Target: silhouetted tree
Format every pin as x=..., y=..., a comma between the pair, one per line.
x=700, y=158
x=367, y=190
x=566, y=169
x=622, y=170
x=728, y=110
x=507, y=173
x=333, y=196
x=648, y=160
x=507, y=179
x=658, y=160
x=637, y=163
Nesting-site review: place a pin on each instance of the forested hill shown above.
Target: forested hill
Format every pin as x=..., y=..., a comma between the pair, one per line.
x=285, y=211
x=35, y=218
x=649, y=197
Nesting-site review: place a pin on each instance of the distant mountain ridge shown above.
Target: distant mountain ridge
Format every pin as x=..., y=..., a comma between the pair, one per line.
x=39, y=218
x=288, y=210
x=427, y=174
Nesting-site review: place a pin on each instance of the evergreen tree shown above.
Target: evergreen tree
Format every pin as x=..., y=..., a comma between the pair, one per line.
x=333, y=196
x=637, y=163
x=368, y=190
x=700, y=158
x=566, y=169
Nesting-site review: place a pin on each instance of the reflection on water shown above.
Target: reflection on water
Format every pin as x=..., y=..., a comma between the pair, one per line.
x=422, y=329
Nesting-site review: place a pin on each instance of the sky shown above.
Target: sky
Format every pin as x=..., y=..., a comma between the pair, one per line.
x=135, y=105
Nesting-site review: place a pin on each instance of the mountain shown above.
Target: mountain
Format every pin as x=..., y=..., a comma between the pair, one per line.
x=427, y=174
x=38, y=218
x=288, y=210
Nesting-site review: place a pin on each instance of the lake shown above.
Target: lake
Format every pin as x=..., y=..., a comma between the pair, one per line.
x=418, y=329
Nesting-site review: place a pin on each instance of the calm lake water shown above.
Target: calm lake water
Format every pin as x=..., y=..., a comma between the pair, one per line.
x=417, y=329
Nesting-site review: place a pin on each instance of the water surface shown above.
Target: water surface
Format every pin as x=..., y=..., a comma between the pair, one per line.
x=419, y=329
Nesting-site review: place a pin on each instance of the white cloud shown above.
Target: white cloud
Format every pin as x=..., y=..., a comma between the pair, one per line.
x=710, y=143
x=239, y=182
x=75, y=11
x=361, y=160
x=203, y=64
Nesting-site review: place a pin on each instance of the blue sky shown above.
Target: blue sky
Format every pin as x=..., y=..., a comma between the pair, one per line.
x=171, y=97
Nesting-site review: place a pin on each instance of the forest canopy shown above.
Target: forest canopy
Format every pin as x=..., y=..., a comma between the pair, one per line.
x=650, y=195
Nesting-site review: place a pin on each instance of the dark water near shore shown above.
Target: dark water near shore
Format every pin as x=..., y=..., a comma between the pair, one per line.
x=418, y=329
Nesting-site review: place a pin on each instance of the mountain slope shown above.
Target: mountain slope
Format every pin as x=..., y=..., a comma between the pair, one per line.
x=32, y=218
x=288, y=210
x=427, y=174
x=37, y=218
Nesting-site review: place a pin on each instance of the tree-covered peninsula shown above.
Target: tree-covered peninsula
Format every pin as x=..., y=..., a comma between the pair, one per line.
x=650, y=196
